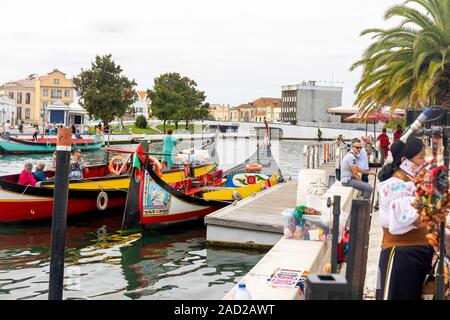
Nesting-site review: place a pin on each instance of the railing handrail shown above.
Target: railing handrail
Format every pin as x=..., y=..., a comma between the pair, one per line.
x=320, y=153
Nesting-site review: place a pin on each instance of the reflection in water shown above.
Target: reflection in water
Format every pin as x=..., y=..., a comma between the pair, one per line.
x=170, y=263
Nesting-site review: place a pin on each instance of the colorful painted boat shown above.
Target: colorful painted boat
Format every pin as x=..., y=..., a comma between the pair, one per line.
x=152, y=201
x=43, y=145
x=99, y=190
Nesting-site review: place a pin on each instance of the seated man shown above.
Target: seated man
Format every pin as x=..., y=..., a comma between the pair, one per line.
x=350, y=171
x=39, y=174
x=77, y=166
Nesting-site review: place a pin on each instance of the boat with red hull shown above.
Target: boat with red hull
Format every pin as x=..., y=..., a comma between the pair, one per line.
x=151, y=201
x=102, y=188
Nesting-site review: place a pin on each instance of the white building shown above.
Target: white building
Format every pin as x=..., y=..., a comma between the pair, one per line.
x=8, y=108
x=142, y=105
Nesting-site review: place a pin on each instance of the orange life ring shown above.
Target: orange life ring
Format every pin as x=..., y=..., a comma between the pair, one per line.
x=253, y=167
x=157, y=166
x=115, y=164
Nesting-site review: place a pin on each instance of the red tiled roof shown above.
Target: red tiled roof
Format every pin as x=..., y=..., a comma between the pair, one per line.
x=267, y=102
x=142, y=94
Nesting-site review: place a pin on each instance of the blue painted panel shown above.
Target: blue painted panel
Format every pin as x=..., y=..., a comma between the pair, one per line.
x=56, y=116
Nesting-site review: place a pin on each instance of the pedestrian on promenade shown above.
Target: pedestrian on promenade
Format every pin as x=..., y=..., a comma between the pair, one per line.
x=7, y=129
x=36, y=132
x=363, y=161
x=406, y=257
x=398, y=133
x=20, y=126
x=384, y=146
x=350, y=171
x=47, y=127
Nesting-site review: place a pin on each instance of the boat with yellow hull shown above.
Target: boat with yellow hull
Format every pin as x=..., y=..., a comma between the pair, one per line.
x=153, y=201
x=99, y=190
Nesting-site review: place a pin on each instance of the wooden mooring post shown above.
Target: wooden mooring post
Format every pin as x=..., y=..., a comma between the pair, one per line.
x=59, y=217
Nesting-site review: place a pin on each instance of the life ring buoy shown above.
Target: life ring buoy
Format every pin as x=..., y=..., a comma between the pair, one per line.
x=115, y=164
x=48, y=144
x=253, y=167
x=157, y=166
x=102, y=201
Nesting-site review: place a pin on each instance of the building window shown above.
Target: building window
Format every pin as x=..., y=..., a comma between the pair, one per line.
x=19, y=98
x=56, y=81
x=27, y=98
x=53, y=94
x=11, y=95
x=66, y=93
x=27, y=113
x=59, y=94
x=44, y=106
x=45, y=92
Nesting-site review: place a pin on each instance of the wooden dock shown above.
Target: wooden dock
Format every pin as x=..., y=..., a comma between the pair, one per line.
x=256, y=221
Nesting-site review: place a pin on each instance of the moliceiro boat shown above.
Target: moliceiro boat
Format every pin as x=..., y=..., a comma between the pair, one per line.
x=102, y=188
x=43, y=145
x=151, y=200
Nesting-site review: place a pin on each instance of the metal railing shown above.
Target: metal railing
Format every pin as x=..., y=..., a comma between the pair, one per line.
x=316, y=155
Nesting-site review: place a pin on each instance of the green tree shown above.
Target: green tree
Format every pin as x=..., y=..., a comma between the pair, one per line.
x=408, y=65
x=176, y=98
x=141, y=122
x=104, y=92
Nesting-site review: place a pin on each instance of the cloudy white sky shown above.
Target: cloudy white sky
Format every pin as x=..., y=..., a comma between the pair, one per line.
x=236, y=50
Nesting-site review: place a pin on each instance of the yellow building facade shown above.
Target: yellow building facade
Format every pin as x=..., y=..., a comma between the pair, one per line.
x=49, y=89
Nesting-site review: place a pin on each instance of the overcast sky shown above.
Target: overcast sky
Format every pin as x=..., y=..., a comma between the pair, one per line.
x=236, y=50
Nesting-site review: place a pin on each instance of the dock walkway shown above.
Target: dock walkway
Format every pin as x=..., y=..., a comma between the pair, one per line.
x=256, y=221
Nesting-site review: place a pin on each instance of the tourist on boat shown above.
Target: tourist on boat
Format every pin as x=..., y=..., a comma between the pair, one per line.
x=77, y=166
x=26, y=177
x=169, y=148
x=406, y=257
x=384, y=146
x=350, y=171
x=53, y=167
x=39, y=174
x=7, y=129
x=398, y=133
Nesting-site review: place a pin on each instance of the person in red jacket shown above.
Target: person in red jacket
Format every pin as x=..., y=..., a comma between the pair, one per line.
x=26, y=177
x=384, y=146
x=398, y=133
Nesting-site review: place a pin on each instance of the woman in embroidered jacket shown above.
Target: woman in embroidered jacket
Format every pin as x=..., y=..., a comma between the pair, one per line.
x=406, y=256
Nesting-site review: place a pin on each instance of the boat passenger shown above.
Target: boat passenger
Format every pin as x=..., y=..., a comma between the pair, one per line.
x=53, y=166
x=169, y=147
x=26, y=177
x=406, y=257
x=77, y=165
x=36, y=132
x=39, y=174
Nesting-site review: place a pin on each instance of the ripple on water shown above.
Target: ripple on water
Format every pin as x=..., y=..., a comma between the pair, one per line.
x=172, y=263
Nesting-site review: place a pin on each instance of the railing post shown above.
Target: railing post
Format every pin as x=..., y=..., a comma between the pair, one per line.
x=358, y=248
x=335, y=233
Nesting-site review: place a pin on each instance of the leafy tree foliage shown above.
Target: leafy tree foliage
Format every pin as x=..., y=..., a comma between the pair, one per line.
x=176, y=98
x=408, y=65
x=141, y=122
x=104, y=92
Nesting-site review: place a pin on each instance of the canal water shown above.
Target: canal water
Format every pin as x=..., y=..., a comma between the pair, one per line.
x=169, y=263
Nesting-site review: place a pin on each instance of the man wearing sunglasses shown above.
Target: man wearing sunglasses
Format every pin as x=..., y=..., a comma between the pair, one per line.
x=351, y=172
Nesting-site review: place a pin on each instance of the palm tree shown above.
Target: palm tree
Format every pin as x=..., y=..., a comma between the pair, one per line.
x=408, y=65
